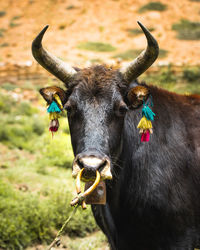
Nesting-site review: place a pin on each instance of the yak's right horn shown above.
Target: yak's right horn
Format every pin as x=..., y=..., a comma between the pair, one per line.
x=55, y=66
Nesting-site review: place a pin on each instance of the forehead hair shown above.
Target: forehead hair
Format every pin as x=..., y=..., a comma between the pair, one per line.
x=99, y=80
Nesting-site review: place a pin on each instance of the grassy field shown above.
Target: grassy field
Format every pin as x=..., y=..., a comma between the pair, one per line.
x=36, y=186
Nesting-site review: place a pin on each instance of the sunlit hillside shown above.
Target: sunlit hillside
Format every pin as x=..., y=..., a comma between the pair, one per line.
x=75, y=23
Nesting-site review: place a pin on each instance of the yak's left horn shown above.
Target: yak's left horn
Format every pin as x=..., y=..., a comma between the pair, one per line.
x=55, y=66
x=144, y=60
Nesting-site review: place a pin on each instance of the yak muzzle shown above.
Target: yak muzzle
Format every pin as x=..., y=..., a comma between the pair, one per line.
x=91, y=163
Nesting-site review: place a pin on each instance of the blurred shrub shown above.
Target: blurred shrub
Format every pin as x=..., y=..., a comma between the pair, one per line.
x=2, y=31
x=70, y=7
x=138, y=31
x=8, y=86
x=6, y=103
x=185, y=81
x=2, y=13
x=162, y=53
x=133, y=53
x=187, y=30
x=4, y=45
x=156, y=6
x=24, y=108
x=191, y=74
x=62, y=26
x=56, y=151
x=128, y=54
x=12, y=23
x=26, y=218
x=96, y=46
x=163, y=77
x=38, y=125
x=20, y=123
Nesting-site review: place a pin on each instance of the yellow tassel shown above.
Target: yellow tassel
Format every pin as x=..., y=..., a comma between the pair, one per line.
x=54, y=116
x=57, y=98
x=144, y=123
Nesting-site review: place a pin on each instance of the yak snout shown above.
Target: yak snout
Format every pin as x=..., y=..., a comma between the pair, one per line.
x=92, y=162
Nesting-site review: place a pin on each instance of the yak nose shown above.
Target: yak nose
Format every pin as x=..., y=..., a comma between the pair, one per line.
x=92, y=163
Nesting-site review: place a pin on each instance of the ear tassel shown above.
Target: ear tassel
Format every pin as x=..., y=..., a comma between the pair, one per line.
x=54, y=110
x=145, y=124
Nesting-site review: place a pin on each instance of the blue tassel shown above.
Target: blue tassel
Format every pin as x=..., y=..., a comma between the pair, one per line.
x=148, y=113
x=53, y=107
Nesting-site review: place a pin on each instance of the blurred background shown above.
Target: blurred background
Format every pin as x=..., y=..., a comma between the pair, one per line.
x=35, y=170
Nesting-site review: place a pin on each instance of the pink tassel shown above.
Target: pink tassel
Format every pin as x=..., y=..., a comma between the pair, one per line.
x=145, y=136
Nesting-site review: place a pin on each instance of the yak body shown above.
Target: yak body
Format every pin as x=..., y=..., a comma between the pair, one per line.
x=153, y=200
x=154, y=203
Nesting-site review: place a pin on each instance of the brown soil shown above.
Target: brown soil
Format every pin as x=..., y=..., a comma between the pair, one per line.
x=94, y=20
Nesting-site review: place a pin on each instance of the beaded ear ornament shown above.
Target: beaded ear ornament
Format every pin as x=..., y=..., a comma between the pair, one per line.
x=54, y=111
x=145, y=124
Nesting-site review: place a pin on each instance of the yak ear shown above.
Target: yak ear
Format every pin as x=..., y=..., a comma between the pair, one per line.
x=49, y=92
x=136, y=95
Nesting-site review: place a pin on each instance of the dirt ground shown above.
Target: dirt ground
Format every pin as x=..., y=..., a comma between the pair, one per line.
x=72, y=22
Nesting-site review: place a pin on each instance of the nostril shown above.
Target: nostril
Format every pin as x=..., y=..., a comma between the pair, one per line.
x=80, y=163
x=102, y=165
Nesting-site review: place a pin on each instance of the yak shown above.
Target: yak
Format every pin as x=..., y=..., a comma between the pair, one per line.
x=153, y=188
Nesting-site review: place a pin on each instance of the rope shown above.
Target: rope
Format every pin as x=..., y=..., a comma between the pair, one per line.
x=56, y=241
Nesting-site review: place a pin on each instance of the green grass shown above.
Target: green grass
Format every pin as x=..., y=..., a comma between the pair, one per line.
x=153, y=6
x=96, y=46
x=187, y=30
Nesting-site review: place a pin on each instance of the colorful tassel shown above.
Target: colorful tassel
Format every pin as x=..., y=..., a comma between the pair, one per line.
x=53, y=107
x=145, y=136
x=54, y=125
x=57, y=98
x=145, y=124
x=54, y=116
x=54, y=111
x=148, y=113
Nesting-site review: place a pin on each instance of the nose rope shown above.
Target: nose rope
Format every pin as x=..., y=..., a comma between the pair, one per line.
x=80, y=199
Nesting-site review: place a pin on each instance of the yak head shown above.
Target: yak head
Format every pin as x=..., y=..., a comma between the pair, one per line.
x=97, y=100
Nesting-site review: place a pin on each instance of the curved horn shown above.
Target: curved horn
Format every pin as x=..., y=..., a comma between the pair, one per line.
x=55, y=66
x=144, y=60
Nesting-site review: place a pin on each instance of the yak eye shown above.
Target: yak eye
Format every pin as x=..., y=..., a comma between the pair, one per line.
x=121, y=109
x=69, y=106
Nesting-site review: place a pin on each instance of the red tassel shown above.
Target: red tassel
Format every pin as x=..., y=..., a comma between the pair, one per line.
x=145, y=136
x=54, y=125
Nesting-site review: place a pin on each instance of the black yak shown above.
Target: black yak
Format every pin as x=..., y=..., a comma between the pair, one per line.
x=153, y=188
